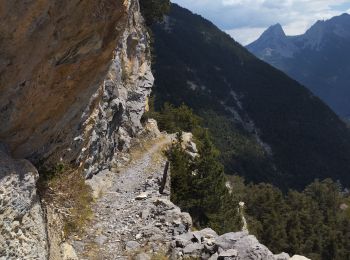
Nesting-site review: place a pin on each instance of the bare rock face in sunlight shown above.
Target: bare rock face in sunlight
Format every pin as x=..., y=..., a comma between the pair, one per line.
x=75, y=78
x=71, y=72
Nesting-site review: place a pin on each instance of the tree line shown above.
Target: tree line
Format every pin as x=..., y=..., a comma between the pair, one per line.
x=314, y=222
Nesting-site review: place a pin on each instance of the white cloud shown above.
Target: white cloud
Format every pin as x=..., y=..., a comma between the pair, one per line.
x=244, y=18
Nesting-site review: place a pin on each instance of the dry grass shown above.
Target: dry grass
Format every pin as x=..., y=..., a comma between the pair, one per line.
x=160, y=256
x=65, y=189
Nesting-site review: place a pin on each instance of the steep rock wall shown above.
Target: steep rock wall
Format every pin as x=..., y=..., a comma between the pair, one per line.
x=114, y=114
x=66, y=91
x=74, y=81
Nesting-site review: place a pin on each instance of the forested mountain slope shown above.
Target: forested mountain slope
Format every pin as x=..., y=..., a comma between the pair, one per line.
x=268, y=127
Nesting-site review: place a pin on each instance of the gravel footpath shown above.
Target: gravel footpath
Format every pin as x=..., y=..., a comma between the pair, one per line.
x=129, y=215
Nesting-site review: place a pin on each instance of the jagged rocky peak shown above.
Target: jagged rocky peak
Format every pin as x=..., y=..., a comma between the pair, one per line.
x=274, y=31
x=338, y=25
x=274, y=38
x=318, y=59
x=273, y=41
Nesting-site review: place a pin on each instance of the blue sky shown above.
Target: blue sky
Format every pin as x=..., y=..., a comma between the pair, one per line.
x=245, y=20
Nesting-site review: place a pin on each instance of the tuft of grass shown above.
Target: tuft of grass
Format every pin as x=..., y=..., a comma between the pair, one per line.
x=160, y=256
x=65, y=189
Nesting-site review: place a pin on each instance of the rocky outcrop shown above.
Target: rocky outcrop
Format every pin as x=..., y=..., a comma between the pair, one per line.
x=75, y=76
x=22, y=224
x=206, y=244
x=114, y=114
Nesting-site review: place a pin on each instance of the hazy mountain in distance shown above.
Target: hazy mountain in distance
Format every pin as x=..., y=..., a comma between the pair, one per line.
x=319, y=59
x=203, y=67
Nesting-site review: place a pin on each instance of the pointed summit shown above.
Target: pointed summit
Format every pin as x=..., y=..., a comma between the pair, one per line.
x=274, y=31
x=272, y=40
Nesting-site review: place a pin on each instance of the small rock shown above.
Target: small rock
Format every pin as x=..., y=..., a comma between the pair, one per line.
x=142, y=256
x=191, y=147
x=138, y=236
x=344, y=206
x=183, y=240
x=164, y=203
x=209, y=241
x=299, y=257
x=68, y=252
x=208, y=233
x=142, y=196
x=156, y=237
x=282, y=256
x=210, y=248
x=205, y=256
x=180, y=229
x=193, y=249
x=150, y=230
x=231, y=253
x=197, y=236
x=214, y=257
x=145, y=214
x=132, y=245
x=100, y=239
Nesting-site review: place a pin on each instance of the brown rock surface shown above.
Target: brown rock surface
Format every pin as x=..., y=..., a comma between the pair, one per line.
x=54, y=55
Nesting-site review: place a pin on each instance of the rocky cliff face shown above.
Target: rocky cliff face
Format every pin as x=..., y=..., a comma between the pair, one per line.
x=74, y=79
x=114, y=113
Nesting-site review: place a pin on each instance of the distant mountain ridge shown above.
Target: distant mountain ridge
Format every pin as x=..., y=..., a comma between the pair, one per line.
x=319, y=59
x=242, y=99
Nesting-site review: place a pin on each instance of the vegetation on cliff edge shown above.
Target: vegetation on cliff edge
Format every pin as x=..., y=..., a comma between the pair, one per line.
x=64, y=189
x=154, y=10
x=314, y=222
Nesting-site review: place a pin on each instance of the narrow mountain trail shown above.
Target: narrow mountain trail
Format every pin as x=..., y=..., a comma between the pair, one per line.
x=123, y=214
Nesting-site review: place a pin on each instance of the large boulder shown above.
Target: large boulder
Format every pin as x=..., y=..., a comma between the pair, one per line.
x=249, y=247
x=22, y=225
x=228, y=240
